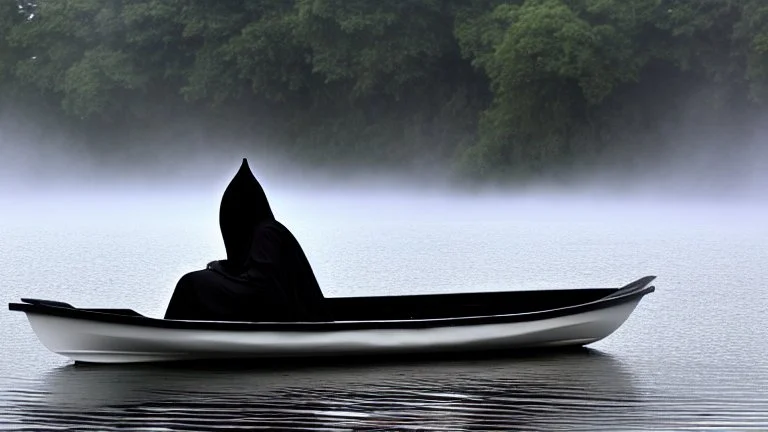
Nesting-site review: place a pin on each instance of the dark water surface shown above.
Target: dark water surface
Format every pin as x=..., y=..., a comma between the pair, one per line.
x=693, y=356
x=574, y=389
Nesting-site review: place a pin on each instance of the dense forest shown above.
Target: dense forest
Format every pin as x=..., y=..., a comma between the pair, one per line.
x=486, y=88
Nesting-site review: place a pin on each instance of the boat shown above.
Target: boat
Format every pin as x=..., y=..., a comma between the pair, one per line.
x=361, y=326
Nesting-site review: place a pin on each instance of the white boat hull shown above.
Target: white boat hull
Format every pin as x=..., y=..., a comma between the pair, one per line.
x=106, y=342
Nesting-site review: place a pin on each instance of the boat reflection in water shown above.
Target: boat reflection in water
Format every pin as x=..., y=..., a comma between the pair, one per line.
x=582, y=388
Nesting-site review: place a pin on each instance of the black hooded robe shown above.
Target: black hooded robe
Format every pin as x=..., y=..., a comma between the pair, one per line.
x=266, y=276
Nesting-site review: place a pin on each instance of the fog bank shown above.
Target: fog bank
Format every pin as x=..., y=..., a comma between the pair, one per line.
x=187, y=161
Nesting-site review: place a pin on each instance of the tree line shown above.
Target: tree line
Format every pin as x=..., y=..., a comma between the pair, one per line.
x=489, y=88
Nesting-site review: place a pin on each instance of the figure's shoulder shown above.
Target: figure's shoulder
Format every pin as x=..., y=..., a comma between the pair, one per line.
x=271, y=225
x=274, y=229
x=273, y=235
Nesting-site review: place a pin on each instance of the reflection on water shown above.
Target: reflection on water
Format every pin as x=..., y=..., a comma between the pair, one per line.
x=585, y=388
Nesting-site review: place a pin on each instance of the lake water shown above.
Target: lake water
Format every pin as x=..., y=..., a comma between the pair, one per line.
x=693, y=356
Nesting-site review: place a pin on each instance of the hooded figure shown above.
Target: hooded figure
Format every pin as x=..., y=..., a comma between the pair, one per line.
x=266, y=276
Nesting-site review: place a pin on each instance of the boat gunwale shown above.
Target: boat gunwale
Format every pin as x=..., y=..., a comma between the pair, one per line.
x=630, y=292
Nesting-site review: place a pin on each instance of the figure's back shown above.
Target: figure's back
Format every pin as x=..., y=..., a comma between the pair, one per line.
x=277, y=263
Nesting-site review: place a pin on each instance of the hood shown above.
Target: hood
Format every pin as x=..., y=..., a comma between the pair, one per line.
x=243, y=206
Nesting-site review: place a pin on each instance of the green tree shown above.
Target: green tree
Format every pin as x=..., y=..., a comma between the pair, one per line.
x=496, y=87
x=12, y=14
x=752, y=32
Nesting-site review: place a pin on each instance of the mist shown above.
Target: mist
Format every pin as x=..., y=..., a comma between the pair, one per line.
x=182, y=161
x=179, y=172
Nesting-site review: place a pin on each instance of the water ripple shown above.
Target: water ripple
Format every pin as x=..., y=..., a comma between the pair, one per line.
x=584, y=390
